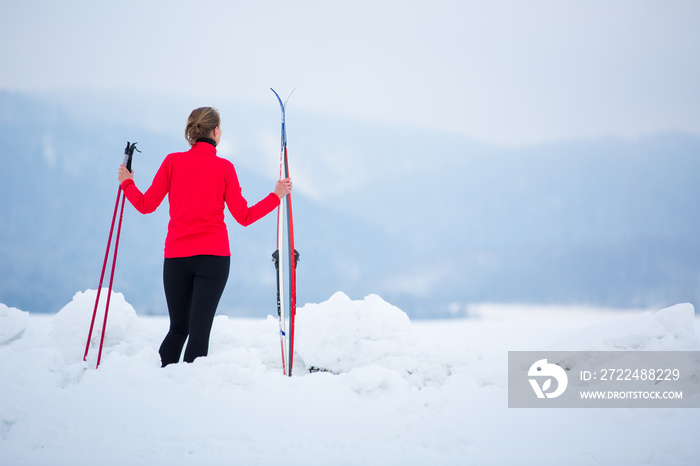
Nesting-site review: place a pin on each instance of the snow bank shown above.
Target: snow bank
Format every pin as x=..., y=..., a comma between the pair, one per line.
x=672, y=328
x=70, y=327
x=369, y=387
x=370, y=337
x=340, y=335
x=14, y=322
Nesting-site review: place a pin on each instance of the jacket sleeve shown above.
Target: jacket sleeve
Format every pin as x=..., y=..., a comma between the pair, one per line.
x=150, y=200
x=238, y=206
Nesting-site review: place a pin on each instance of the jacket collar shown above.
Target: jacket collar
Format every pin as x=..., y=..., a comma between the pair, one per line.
x=209, y=140
x=204, y=146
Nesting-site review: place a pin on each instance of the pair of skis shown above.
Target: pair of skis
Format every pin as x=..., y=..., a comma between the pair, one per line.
x=128, y=156
x=285, y=259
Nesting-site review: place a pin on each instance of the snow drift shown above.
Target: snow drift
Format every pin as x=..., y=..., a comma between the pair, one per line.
x=369, y=387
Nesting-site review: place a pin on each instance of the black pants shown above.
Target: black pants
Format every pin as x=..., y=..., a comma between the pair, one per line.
x=193, y=288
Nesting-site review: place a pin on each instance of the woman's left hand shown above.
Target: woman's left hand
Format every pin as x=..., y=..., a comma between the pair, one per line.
x=283, y=187
x=124, y=174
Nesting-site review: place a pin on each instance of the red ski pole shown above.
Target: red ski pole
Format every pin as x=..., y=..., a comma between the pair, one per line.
x=128, y=154
x=111, y=281
x=102, y=275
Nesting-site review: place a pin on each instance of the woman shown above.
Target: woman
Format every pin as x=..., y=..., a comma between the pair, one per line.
x=197, y=253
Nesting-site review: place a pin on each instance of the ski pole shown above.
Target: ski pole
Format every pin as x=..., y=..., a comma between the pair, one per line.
x=111, y=281
x=102, y=275
x=128, y=155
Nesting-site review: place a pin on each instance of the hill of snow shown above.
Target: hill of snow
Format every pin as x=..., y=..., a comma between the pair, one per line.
x=369, y=387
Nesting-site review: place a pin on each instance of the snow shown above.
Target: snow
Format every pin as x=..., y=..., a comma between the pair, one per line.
x=384, y=389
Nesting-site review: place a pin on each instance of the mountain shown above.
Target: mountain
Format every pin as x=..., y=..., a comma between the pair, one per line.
x=605, y=221
x=430, y=221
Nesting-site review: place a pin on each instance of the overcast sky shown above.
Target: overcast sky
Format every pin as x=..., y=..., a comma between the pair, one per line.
x=507, y=72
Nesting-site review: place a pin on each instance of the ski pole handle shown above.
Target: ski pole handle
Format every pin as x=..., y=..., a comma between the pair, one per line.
x=129, y=154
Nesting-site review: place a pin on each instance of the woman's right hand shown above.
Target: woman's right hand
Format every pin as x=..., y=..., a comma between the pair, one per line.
x=124, y=174
x=283, y=187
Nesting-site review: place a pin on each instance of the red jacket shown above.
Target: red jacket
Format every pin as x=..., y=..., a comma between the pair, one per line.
x=199, y=184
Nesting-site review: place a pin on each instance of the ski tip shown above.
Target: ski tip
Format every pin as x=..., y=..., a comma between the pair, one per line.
x=282, y=104
x=278, y=100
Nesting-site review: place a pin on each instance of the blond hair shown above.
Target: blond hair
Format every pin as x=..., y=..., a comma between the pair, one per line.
x=201, y=123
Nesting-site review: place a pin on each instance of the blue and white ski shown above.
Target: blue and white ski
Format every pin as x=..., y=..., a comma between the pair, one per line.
x=285, y=258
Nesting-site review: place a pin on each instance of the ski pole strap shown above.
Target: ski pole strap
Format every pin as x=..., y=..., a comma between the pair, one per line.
x=129, y=154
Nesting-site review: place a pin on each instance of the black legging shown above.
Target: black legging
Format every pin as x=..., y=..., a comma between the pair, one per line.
x=193, y=288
